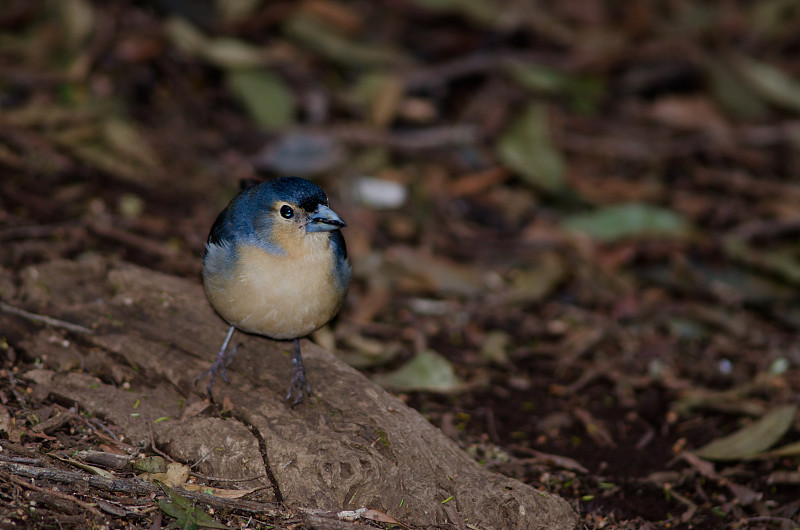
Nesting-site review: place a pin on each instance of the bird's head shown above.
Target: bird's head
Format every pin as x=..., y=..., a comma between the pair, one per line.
x=292, y=213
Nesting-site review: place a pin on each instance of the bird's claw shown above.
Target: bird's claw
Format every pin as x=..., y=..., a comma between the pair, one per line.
x=219, y=366
x=298, y=385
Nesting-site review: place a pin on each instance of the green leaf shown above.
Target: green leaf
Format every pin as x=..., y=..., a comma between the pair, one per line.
x=265, y=96
x=791, y=450
x=728, y=90
x=316, y=36
x=187, y=515
x=128, y=141
x=484, y=12
x=223, y=52
x=151, y=464
x=584, y=92
x=79, y=20
x=170, y=508
x=771, y=83
x=226, y=52
x=526, y=148
x=426, y=372
x=753, y=439
x=614, y=223
x=782, y=261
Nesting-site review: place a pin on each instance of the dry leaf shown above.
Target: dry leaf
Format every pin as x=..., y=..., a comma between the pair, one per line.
x=219, y=492
x=753, y=439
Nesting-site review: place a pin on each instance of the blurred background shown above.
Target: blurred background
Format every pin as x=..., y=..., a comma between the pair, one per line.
x=573, y=225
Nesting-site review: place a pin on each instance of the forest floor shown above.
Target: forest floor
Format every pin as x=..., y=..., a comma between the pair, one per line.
x=573, y=227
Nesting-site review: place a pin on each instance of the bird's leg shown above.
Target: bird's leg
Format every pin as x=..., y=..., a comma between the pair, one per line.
x=220, y=363
x=299, y=382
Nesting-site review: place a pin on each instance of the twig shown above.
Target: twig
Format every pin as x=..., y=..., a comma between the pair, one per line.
x=595, y=428
x=691, y=508
x=61, y=418
x=132, y=485
x=215, y=479
x=564, y=462
x=95, y=425
x=12, y=385
x=767, y=518
x=413, y=140
x=19, y=459
x=153, y=444
x=140, y=243
x=36, y=231
x=44, y=319
x=761, y=228
x=99, y=425
x=136, y=486
x=102, y=458
x=437, y=75
x=86, y=506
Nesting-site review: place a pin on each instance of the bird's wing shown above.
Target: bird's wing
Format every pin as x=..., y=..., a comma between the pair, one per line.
x=220, y=230
x=343, y=272
x=338, y=245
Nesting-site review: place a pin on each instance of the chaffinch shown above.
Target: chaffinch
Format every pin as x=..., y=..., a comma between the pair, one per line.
x=276, y=265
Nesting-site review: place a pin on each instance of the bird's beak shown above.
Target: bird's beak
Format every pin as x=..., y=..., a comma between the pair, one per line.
x=324, y=220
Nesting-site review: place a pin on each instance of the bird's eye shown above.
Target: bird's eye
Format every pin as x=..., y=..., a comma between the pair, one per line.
x=286, y=211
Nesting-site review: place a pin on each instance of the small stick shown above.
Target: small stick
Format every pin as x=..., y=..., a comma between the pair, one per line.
x=44, y=319
x=18, y=481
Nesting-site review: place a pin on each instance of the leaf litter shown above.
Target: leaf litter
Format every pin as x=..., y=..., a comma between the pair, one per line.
x=588, y=213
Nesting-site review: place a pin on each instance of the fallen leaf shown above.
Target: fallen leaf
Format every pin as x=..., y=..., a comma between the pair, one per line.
x=584, y=92
x=753, y=439
x=425, y=372
x=736, y=98
x=311, y=33
x=79, y=21
x=86, y=467
x=361, y=352
x=177, y=474
x=150, y=464
x=789, y=450
x=782, y=261
x=233, y=53
x=346, y=18
x=784, y=477
x=484, y=12
x=237, y=11
x=187, y=515
x=219, y=492
x=194, y=409
x=614, y=223
x=223, y=52
x=265, y=96
x=379, y=517
x=386, y=101
x=434, y=272
x=8, y=426
x=495, y=347
x=532, y=284
x=126, y=140
x=771, y=83
x=526, y=148
x=692, y=113
x=744, y=496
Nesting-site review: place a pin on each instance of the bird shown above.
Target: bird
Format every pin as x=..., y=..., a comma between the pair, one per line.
x=275, y=264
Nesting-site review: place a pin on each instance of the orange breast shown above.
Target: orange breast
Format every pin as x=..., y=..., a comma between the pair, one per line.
x=282, y=297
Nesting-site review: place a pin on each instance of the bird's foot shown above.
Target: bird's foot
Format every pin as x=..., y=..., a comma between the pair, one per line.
x=219, y=366
x=298, y=385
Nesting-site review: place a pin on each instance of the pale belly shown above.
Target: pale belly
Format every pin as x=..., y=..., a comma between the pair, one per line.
x=275, y=296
